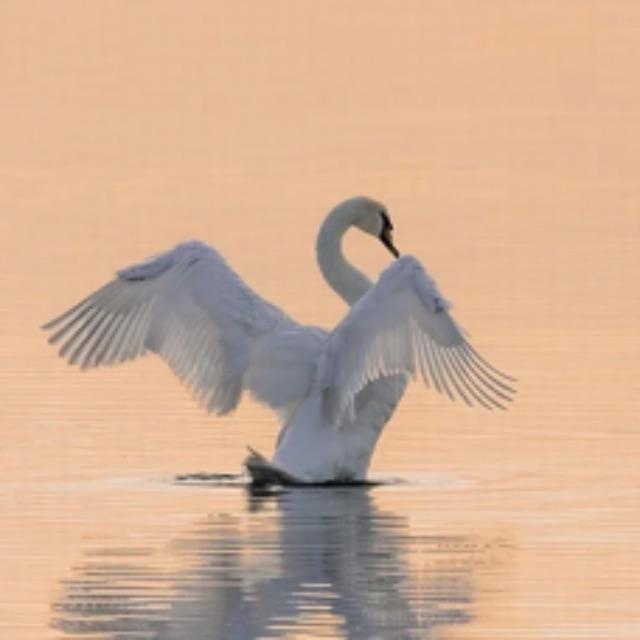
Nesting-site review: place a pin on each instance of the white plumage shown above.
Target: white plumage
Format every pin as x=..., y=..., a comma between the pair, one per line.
x=335, y=391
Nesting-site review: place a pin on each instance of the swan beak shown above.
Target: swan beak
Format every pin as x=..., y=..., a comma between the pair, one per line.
x=386, y=237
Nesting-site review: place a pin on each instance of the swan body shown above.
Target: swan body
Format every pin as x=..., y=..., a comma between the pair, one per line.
x=333, y=391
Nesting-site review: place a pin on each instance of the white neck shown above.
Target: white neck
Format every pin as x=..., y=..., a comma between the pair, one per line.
x=349, y=283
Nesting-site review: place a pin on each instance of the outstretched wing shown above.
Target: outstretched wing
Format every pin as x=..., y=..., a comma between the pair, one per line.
x=402, y=325
x=188, y=306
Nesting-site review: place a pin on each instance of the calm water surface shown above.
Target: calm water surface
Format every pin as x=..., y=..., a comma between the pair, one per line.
x=504, y=137
x=326, y=562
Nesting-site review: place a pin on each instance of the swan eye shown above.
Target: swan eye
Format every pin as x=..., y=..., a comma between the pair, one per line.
x=386, y=221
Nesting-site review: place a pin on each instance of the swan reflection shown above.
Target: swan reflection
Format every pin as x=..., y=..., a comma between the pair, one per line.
x=324, y=562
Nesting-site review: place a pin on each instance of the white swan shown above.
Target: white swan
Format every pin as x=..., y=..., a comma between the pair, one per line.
x=334, y=391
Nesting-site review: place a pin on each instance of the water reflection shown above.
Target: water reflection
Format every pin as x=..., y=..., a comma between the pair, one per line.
x=326, y=562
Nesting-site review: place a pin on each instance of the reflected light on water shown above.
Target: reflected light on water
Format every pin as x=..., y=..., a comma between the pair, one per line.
x=305, y=561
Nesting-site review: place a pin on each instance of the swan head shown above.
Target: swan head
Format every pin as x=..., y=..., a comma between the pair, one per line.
x=372, y=217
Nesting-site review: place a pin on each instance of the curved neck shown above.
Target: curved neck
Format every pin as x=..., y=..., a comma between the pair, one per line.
x=347, y=281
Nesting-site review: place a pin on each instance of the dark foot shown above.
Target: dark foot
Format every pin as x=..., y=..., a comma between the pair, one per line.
x=263, y=473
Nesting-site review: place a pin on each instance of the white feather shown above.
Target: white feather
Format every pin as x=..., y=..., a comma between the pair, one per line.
x=334, y=392
x=188, y=306
x=402, y=325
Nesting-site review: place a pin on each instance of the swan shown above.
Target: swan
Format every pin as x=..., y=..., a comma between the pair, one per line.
x=333, y=391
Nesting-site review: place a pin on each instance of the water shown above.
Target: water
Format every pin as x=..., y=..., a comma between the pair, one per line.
x=320, y=561
x=504, y=140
